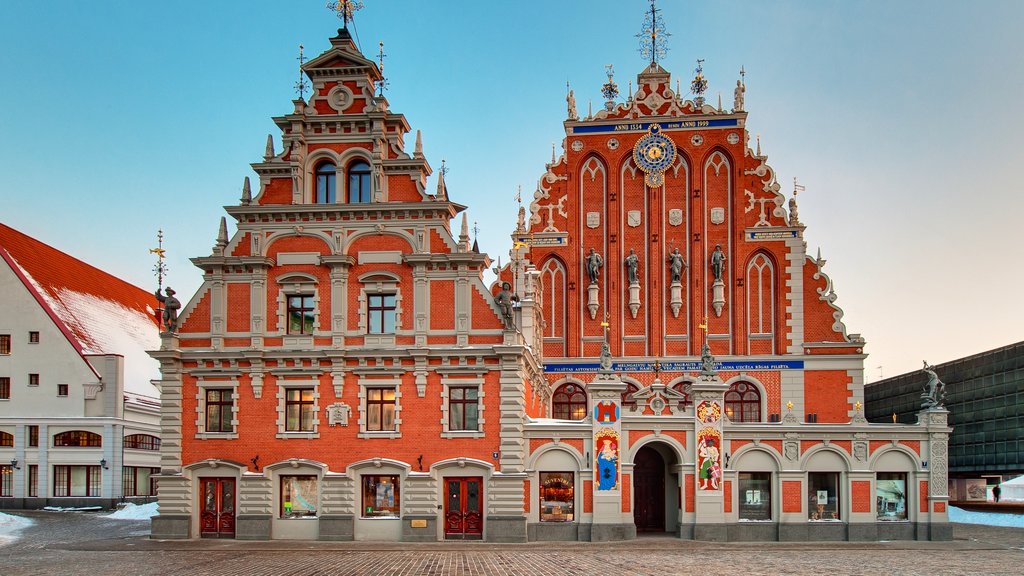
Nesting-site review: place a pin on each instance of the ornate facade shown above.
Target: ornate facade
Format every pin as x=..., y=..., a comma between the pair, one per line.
x=661, y=354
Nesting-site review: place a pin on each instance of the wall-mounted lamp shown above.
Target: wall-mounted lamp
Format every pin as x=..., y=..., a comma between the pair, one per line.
x=103, y=463
x=727, y=458
x=14, y=464
x=255, y=460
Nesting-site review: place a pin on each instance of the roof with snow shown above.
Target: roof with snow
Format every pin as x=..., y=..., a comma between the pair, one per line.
x=98, y=312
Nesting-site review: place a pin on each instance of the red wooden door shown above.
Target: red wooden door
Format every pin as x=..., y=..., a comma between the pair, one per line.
x=463, y=508
x=649, y=491
x=217, y=518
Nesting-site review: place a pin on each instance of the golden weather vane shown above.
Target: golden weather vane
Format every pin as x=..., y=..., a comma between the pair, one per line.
x=160, y=269
x=345, y=9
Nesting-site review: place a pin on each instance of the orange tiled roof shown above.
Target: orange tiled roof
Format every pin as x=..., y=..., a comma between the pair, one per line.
x=98, y=312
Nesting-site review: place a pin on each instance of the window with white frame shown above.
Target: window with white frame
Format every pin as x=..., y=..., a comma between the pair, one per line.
x=462, y=407
x=299, y=496
x=380, y=307
x=298, y=304
x=298, y=408
x=380, y=406
x=216, y=408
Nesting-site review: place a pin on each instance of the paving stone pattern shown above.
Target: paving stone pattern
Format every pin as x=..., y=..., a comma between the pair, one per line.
x=90, y=545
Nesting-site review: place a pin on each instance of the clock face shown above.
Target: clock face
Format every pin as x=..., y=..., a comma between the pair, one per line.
x=654, y=153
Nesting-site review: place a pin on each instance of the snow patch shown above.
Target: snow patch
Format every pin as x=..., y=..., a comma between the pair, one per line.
x=961, y=516
x=135, y=512
x=10, y=526
x=69, y=509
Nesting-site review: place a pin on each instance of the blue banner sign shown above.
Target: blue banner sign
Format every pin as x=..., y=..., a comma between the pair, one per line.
x=644, y=126
x=695, y=366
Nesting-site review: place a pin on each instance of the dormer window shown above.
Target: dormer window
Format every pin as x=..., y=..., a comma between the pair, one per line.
x=359, y=183
x=326, y=174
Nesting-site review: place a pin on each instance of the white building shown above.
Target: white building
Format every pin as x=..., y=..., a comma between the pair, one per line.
x=79, y=416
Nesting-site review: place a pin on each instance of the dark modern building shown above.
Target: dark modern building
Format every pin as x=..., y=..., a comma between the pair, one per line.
x=985, y=397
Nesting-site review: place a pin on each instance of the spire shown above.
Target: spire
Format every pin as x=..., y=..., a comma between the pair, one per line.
x=653, y=37
x=246, y=192
x=476, y=235
x=464, y=235
x=552, y=153
x=418, y=151
x=222, y=236
x=720, y=102
x=758, y=153
x=442, y=188
x=382, y=84
x=270, y=148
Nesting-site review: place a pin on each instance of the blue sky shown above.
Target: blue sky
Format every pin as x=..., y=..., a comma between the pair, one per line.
x=902, y=119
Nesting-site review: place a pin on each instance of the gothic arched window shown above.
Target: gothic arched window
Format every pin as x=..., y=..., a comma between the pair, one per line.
x=569, y=402
x=326, y=173
x=743, y=402
x=359, y=182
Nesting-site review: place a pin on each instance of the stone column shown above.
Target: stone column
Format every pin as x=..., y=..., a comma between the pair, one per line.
x=709, y=412
x=936, y=421
x=610, y=521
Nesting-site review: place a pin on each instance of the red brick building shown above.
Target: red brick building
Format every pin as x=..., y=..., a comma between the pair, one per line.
x=344, y=372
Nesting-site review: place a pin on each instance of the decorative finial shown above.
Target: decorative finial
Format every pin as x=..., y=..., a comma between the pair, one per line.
x=570, y=103
x=345, y=9
x=301, y=85
x=679, y=93
x=418, y=150
x=699, y=84
x=758, y=154
x=246, y=192
x=269, y=153
x=590, y=109
x=653, y=36
x=857, y=406
x=720, y=103
x=789, y=405
x=610, y=90
x=552, y=153
x=630, y=90
x=160, y=269
x=382, y=84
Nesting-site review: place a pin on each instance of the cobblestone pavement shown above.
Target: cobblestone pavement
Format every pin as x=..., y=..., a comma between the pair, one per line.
x=81, y=543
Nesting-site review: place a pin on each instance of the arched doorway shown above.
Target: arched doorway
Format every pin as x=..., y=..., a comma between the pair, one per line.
x=649, y=490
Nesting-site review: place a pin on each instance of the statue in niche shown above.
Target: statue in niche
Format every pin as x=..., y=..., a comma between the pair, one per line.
x=171, y=306
x=718, y=262
x=505, y=300
x=632, y=266
x=675, y=264
x=934, y=390
x=594, y=264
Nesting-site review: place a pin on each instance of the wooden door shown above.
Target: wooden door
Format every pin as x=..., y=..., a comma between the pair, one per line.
x=649, y=491
x=217, y=517
x=463, y=508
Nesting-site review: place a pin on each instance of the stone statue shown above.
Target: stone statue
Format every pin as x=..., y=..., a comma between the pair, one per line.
x=737, y=96
x=570, y=101
x=934, y=390
x=171, y=306
x=794, y=218
x=676, y=263
x=707, y=361
x=718, y=262
x=594, y=264
x=632, y=264
x=606, y=356
x=505, y=300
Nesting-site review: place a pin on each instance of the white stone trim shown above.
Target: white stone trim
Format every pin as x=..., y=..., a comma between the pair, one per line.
x=201, y=386
x=448, y=382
